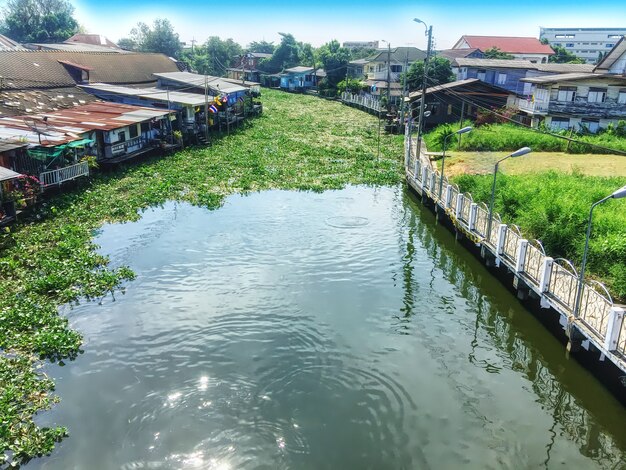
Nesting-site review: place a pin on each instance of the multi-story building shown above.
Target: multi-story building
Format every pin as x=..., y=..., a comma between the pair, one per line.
x=586, y=43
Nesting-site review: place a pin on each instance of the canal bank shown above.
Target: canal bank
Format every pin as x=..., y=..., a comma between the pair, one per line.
x=595, y=334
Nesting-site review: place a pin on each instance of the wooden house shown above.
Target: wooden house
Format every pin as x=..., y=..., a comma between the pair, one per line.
x=298, y=79
x=456, y=101
x=248, y=67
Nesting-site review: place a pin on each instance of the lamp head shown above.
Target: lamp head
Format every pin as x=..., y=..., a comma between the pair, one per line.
x=620, y=193
x=465, y=130
x=520, y=152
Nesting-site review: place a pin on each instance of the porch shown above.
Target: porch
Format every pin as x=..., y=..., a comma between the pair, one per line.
x=61, y=175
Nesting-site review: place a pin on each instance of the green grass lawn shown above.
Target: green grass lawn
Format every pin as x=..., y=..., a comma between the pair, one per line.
x=301, y=142
x=483, y=162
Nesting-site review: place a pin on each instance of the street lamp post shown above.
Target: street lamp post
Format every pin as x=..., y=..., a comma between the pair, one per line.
x=620, y=193
x=517, y=153
x=420, y=124
x=443, y=157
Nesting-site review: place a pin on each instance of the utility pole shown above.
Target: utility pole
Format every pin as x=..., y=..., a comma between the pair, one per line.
x=420, y=124
x=206, y=108
x=193, y=43
x=388, y=77
x=404, y=91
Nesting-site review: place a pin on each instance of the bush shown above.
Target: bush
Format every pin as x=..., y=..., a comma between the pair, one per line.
x=554, y=208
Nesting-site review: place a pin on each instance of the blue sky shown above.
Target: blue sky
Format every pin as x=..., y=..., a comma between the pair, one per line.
x=365, y=20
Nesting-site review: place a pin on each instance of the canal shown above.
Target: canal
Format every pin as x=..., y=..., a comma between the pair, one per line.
x=343, y=329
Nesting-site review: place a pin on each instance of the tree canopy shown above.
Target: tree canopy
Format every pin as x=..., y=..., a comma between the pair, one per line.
x=496, y=53
x=261, y=46
x=288, y=53
x=38, y=20
x=161, y=37
x=563, y=56
x=334, y=59
x=439, y=72
x=214, y=56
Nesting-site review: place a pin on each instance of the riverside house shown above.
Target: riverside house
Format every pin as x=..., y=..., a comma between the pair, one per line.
x=58, y=142
x=299, y=78
x=578, y=101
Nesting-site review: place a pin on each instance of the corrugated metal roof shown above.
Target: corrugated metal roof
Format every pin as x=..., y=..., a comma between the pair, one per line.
x=570, y=77
x=156, y=94
x=15, y=102
x=8, y=44
x=74, y=47
x=217, y=84
x=6, y=174
x=299, y=69
x=6, y=145
x=521, y=64
x=614, y=54
x=461, y=83
x=51, y=129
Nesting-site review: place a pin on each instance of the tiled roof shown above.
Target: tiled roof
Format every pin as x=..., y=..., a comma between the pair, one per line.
x=39, y=69
x=399, y=55
x=570, y=77
x=522, y=64
x=510, y=45
x=73, y=47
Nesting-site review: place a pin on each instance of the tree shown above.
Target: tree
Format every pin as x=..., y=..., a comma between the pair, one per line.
x=261, y=46
x=334, y=59
x=563, y=56
x=39, y=20
x=496, y=53
x=439, y=72
x=285, y=55
x=214, y=56
x=161, y=37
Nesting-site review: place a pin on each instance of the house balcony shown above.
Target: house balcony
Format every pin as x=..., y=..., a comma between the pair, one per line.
x=533, y=106
x=382, y=75
x=61, y=175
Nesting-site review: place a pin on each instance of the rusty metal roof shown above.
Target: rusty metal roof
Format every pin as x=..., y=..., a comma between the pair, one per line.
x=51, y=129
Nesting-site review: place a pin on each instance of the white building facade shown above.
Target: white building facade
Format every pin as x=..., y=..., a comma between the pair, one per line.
x=586, y=43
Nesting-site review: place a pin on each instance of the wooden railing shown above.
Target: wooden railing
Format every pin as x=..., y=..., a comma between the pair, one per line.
x=60, y=175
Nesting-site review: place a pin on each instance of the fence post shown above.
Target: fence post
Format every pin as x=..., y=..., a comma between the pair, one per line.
x=521, y=255
x=500, y=239
x=546, y=271
x=472, y=216
x=616, y=317
x=459, y=205
x=425, y=177
x=448, y=196
x=417, y=168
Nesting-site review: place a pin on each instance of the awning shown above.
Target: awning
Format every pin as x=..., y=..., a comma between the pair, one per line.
x=43, y=153
x=79, y=143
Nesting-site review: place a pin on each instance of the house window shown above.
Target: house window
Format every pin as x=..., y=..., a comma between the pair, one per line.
x=591, y=125
x=609, y=45
x=396, y=68
x=621, y=98
x=121, y=136
x=569, y=44
x=596, y=95
x=565, y=36
x=566, y=93
x=132, y=131
x=614, y=36
x=501, y=78
x=560, y=123
x=145, y=127
x=481, y=75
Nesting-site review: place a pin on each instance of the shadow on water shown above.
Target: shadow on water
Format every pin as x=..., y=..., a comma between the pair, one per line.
x=576, y=402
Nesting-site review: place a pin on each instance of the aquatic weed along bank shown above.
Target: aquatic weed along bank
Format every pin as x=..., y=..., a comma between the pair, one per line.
x=300, y=142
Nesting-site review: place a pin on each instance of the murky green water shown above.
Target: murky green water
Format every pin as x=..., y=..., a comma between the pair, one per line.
x=341, y=330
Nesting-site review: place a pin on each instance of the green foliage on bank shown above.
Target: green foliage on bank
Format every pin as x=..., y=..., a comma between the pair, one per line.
x=301, y=142
x=510, y=137
x=554, y=208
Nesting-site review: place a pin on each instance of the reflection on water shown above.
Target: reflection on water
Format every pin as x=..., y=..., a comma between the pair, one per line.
x=334, y=330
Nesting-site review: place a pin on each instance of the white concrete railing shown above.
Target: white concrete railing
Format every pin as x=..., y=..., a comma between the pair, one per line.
x=556, y=279
x=60, y=175
x=365, y=101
